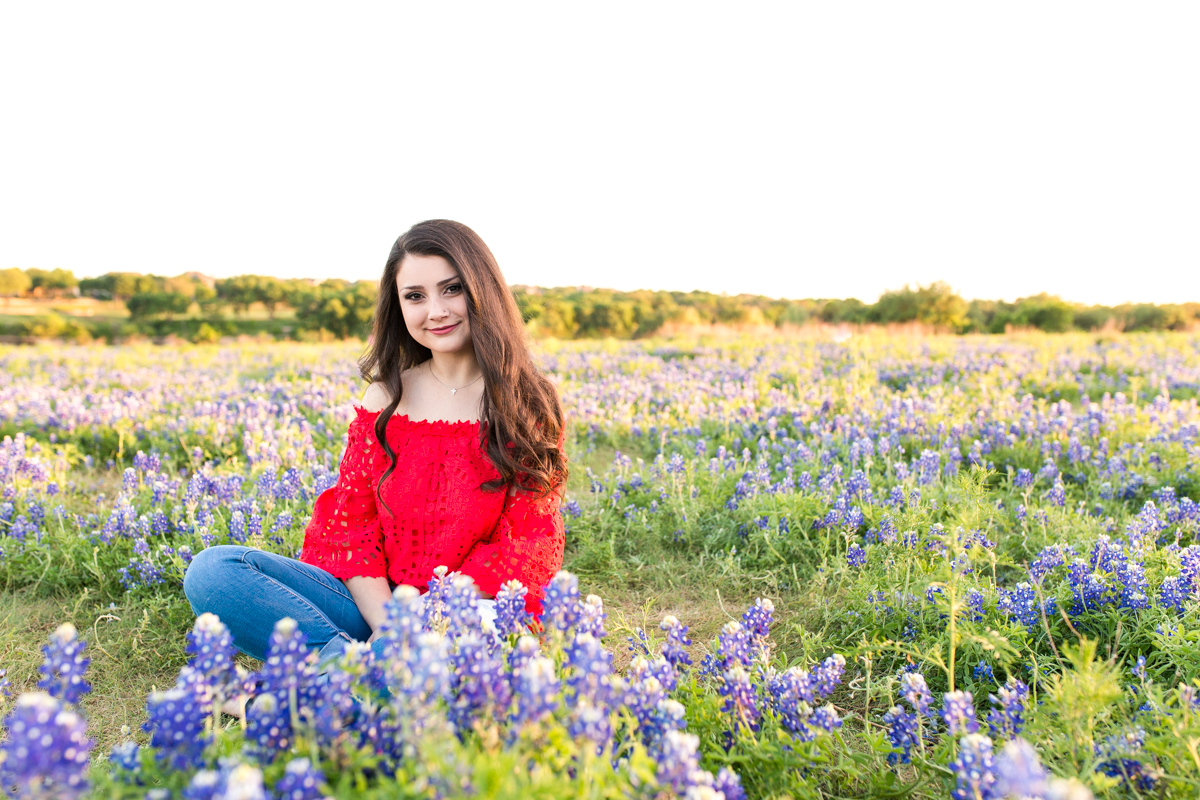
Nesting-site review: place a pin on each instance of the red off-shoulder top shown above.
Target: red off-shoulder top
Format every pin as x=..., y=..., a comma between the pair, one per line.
x=440, y=515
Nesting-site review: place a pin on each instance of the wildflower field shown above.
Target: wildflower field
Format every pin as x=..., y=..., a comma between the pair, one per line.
x=930, y=567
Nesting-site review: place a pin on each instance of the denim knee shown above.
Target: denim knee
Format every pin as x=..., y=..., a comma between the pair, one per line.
x=210, y=569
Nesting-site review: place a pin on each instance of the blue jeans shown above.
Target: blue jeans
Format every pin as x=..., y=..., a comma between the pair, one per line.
x=251, y=590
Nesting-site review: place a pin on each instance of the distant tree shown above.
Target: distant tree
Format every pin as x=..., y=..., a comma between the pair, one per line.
x=14, y=282
x=120, y=285
x=207, y=299
x=240, y=292
x=339, y=307
x=149, y=304
x=851, y=310
x=898, y=305
x=53, y=279
x=941, y=307
x=100, y=287
x=271, y=292
x=1093, y=317
x=1044, y=312
x=181, y=284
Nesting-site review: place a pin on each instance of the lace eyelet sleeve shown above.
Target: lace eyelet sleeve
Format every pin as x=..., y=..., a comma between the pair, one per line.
x=344, y=537
x=527, y=544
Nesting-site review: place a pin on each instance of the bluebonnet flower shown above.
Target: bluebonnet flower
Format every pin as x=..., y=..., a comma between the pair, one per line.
x=591, y=617
x=733, y=646
x=741, y=701
x=403, y=620
x=828, y=674
x=269, y=725
x=902, y=733
x=237, y=527
x=679, y=762
x=674, y=649
x=282, y=522
x=126, y=756
x=590, y=689
x=856, y=556
x=461, y=600
x=825, y=718
x=240, y=782
x=561, y=604
x=1019, y=772
x=511, y=616
x=974, y=768
x=1173, y=592
x=1021, y=603
x=1023, y=479
x=176, y=718
x=338, y=710
x=758, y=618
x=536, y=690
x=983, y=672
x=958, y=711
x=64, y=665
x=46, y=751
x=1007, y=719
x=1118, y=752
x=915, y=690
x=639, y=643
x=300, y=781
x=975, y=604
x=729, y=784
x=210, y=646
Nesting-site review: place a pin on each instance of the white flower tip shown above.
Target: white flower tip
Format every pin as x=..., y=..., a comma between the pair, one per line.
x=66, y=633
x=286, y=626
x=208, y=622
x=405, y=593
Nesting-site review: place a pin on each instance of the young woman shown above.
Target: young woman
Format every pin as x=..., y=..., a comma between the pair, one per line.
x=454, y=458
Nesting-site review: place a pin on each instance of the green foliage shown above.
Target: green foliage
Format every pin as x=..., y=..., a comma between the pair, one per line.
x=149, y=304
x=14, y=282
x=52, y=279
x=344, y=310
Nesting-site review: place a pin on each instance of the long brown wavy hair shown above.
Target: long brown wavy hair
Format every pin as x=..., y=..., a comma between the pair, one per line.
x=521, y=419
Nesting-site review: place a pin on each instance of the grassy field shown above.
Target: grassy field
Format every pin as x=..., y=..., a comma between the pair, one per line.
x=1013, y=518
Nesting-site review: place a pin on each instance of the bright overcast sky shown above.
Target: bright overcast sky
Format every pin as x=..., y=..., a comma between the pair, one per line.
x=792, y=149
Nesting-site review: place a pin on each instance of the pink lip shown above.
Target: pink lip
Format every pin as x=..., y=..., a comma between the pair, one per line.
x=445, y=330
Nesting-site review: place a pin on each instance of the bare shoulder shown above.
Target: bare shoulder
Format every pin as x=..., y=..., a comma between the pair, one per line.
x=376, y=397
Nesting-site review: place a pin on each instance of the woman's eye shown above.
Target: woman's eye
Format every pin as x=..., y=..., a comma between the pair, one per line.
x=412, y=296
x=454, y=288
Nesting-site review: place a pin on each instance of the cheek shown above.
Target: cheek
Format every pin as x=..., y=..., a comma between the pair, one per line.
x=413, y=318
x=458, y=305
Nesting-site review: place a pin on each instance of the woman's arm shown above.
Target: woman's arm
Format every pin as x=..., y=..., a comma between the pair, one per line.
x=370, y=595
x=526, y=545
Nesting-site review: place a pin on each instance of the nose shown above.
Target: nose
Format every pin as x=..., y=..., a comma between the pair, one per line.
x=437, y=310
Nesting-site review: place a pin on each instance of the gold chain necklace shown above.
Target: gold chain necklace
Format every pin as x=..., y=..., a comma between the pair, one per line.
x=451, y=388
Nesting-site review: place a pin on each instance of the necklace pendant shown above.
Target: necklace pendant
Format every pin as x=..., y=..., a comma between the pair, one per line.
x=452, y=391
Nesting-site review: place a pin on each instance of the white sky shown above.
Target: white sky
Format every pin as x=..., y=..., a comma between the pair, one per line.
x=791, y=149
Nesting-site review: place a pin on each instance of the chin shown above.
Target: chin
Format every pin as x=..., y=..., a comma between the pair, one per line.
x=459, y=341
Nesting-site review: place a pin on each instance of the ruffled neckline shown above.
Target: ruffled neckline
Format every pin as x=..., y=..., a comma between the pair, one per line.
x=432, y=426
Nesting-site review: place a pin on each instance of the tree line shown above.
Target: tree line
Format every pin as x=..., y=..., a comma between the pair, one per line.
x=580, y=313
x=342, y=309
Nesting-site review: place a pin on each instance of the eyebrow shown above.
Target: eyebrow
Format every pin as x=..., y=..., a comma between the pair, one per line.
x=439, y=283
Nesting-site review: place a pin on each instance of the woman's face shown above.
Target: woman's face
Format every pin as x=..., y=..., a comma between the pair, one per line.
x=434, y=303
